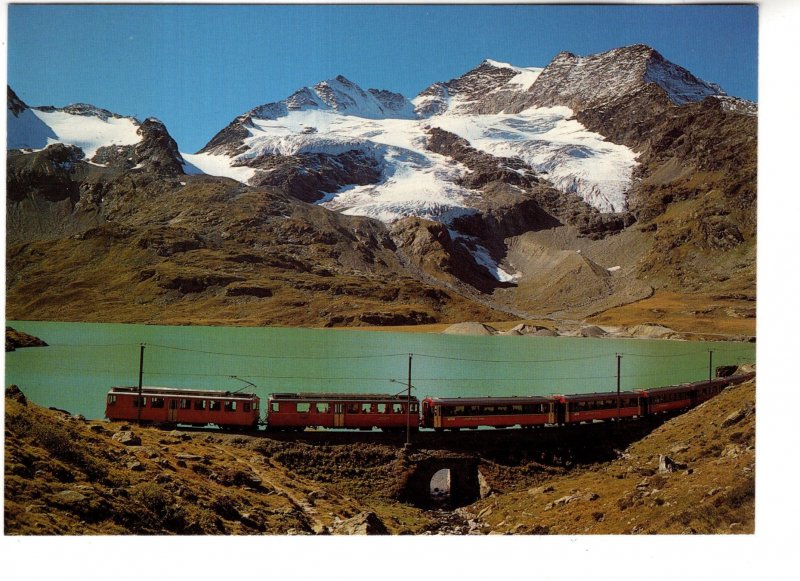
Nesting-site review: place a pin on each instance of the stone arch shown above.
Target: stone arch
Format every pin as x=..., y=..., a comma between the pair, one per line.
x=463, y=480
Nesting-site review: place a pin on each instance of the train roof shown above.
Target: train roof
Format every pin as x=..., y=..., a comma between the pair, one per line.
x=341, y=396
x=670, y=388
x=150, y=390
x=490, y=400
x=598, y=395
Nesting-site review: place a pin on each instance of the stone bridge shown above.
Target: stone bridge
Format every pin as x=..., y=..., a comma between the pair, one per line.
x=455, y=476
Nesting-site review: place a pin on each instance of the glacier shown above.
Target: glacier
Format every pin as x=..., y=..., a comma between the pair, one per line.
x=337, y=116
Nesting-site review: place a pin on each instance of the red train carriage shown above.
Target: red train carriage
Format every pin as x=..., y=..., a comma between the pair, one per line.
x=166, y=405
x=351, y=411
x=674, y=397
x=588, y=407
x=708, y=389
x=498, y=412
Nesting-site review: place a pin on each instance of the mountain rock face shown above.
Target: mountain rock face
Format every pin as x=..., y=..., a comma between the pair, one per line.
x=505, y=192
x=488, y=88
x=586, y=82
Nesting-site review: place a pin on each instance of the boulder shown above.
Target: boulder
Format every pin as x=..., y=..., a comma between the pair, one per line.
x=545, y=333
x=667, y=464
x=592, y=331
x=470, y=328
x=651, y=332
x=365, y=523
x=127, y=438
x=15, y=393
x=191, y=457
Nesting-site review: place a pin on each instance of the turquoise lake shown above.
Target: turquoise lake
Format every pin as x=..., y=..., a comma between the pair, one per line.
x=85, y=359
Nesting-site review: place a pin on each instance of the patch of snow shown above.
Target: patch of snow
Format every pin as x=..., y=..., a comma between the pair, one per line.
x=550, y=140
x=216, y=165
x=38, y=129
x=482, y=257
x=525, y=75
x=737, y=105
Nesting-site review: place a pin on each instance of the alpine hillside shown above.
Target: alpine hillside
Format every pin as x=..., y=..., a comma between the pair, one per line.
x=509, y=192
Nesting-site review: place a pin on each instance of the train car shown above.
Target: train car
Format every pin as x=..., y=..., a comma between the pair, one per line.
x=172, y=406
x=347, y=411
x=442, y=413
x=708, y=389
x=674, y=397
x=588, y=407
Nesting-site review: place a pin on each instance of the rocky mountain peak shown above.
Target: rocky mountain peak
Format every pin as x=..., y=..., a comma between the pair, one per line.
x=14, y=103
x=466, y=92
x=596, y=80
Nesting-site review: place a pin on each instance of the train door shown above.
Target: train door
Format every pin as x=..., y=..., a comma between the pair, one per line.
x=437, y=416
x=338, y=415
x=172, y=410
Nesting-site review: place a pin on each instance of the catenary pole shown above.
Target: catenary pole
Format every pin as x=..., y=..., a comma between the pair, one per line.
x=710, y=360
x=141, y=370
x=619, y=365
x=408, y=404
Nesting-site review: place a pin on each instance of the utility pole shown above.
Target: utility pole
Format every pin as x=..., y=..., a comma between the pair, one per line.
x=710, y=359
x=139, y=400
x=408, y=403
x=619, y=365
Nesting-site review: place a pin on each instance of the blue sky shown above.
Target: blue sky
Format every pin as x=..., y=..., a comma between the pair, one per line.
x=198, y=67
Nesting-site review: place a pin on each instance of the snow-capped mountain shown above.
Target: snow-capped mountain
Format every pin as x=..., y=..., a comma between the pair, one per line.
x=103, y=138
x=336, y=117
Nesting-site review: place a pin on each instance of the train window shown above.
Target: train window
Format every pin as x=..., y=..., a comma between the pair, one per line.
x=276, y=407
x=246, y=406
x=474, y=410
x=255, y=405
x=366, y=408
x=397, y=408
x=185, y=404
x=230, y=406
x=352, y=408
x=488, y=409
x=157, y=402
x=303, y=408
x=414, y=408
x=516, y=409
x=136, y=402
x=458, y=410
x=323, y=408
x=213, y=405
x=112, y=399
x=199, y=404
x=381, y=408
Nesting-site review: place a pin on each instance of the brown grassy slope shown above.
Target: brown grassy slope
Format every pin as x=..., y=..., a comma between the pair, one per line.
x=214, y=252
x=703, y=313
x=714, y=494
x=67, y=476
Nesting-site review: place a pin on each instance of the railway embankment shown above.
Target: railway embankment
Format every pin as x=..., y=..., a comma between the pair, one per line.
x=689, y=473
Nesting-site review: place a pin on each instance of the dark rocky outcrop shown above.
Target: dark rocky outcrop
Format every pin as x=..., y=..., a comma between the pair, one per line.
x=17, y=339
x=309, y=176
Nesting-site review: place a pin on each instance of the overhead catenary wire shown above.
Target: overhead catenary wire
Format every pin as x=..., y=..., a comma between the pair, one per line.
x=390, y=355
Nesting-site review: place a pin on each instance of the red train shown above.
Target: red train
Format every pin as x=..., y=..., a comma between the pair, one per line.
x=353, y=411
x=454, y=413
x=298, y=411
x=170, y=406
